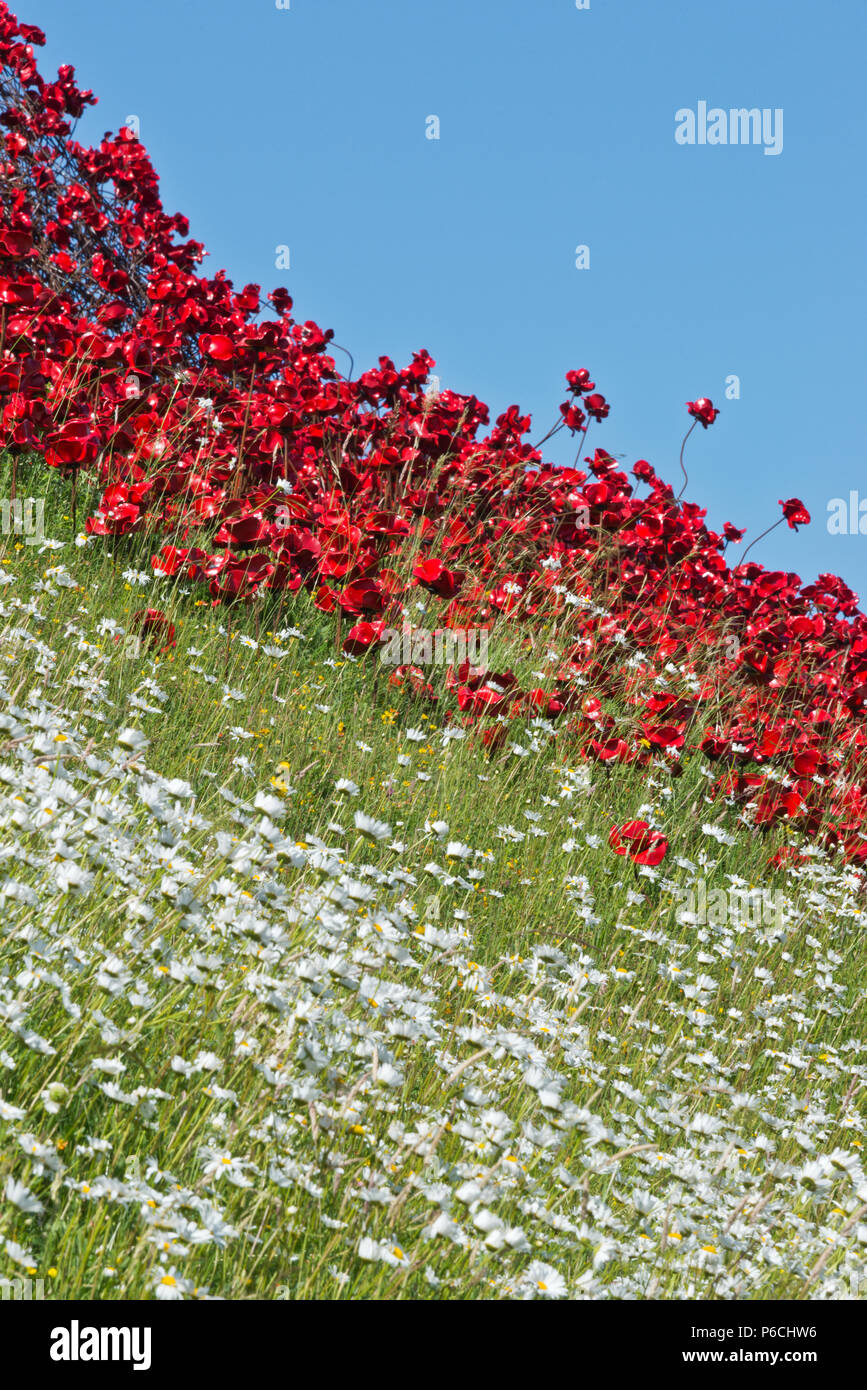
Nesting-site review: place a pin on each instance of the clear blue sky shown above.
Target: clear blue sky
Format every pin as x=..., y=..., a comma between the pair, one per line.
x=306, y=127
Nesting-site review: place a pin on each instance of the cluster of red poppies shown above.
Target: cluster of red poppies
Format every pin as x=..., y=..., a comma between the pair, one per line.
x=260, y=469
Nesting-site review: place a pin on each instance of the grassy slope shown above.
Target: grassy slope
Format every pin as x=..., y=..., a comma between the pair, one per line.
x=339, y=1045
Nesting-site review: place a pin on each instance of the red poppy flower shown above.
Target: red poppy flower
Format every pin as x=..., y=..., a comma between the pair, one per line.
x=597, y=406
x=433, y=576
x=495, y=735
x=245, y=533
x=415, y=676
x=807, y=764
x=217, y=346
x=153, y=625
x=579, y=381
x=610, y=751
x=703, y=410
x=74, y=445
x=643, y=845
x=363, y=596
x=479, y=701
x=664, y=735
x=360, y=638
x=573, y=417
x=795, y=512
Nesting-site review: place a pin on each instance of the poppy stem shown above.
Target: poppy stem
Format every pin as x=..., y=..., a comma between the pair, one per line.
x=555, y=429
x=682, y=469
x=761, y=537
x=349, y=355
x=582, y=446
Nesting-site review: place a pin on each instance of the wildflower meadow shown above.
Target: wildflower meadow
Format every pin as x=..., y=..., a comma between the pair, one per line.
x=426, y=871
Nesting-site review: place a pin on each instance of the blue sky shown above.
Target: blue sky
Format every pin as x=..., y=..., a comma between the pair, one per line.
x=306, y=127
